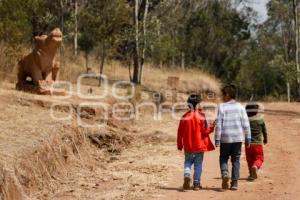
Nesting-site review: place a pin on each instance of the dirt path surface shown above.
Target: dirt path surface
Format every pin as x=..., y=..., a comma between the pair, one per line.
x=46, y=159
x=279, y=177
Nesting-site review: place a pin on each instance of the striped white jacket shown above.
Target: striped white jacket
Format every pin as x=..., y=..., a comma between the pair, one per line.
x=232, y=123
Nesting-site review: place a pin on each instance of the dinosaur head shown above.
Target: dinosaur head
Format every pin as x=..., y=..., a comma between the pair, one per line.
x=56, y=36
x=49, y=43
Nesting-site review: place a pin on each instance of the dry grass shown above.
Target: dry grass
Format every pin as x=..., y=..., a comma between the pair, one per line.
x=154, y=78
x=191, y=80
x=46, y=159
x=9, y=58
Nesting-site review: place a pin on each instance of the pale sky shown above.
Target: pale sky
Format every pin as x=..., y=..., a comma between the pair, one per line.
x=260, y=7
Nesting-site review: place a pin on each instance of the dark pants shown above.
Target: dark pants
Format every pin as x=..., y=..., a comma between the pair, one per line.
x=232, y=150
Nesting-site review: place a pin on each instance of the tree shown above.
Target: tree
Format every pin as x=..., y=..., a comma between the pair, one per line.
x=86, y=44
x=75, y=26
x=17, y=20
x=220, y=37
x=283, y=32
x=16, y=28
x=136, y=58
x=287, y=70
x=141, y=12
x=296, y=7
x=103, y=21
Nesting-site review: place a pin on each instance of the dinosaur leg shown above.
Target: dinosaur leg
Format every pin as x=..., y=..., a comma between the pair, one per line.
x=55, y=70
x=37, y=78
x=52, y=77
x=53, y=74
x=48, y=77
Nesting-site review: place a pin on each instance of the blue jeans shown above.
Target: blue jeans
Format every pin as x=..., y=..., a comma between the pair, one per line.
x=232, y=150
x=197, y=160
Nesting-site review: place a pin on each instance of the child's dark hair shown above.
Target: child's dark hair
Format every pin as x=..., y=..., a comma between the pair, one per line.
x=229, y=90
x=193, y=100
x=252, y=109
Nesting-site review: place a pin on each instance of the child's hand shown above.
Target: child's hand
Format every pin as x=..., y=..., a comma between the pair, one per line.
x=217, y=143
x=214, y=123
x=247, y=142
x=265, y=141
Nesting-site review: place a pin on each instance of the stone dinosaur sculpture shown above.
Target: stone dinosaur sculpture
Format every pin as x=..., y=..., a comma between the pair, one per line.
x=40, y=65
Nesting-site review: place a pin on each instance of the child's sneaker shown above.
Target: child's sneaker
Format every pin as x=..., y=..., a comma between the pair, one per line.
x=254, y=172
x=186, y=183
x=225, y=180
x=234, y=185
x=197, y=186
x=250, y=178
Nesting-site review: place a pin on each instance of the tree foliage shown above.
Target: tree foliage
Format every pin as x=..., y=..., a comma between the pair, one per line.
x=221, y=37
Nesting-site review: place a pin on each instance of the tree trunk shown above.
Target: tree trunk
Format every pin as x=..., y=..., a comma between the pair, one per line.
x=159, y=41
x=62, y=30
x=160, y=64
x=297, y=46
x=76, y=29
x=136, y=68
x=103, y=55
x=265, y=87
x=286, y=64
x=182, y=60
x=87, y=62
x=129, y=70
x=136, y=56
x=62, y=16
x=145, y=40
x=288, y=90
x=173, y=61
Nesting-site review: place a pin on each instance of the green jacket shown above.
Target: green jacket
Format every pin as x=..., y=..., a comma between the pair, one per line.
x=258, y=130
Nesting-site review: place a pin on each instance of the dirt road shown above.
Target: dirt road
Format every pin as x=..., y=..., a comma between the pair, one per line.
x=279, y=177
x=150, y=168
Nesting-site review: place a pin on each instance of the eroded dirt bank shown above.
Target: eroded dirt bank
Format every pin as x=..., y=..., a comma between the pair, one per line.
x=46, y=159
x=42, y=158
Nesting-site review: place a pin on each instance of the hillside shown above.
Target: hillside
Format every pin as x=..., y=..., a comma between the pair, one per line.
x=45, y=157
x=48, y=159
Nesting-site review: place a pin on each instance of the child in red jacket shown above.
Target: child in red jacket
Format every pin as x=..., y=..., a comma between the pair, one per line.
x=193, y=137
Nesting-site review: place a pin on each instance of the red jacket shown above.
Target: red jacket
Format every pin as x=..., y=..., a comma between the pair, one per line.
x=193, y=133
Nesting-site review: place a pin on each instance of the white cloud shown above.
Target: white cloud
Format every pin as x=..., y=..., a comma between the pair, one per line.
x=260, y=7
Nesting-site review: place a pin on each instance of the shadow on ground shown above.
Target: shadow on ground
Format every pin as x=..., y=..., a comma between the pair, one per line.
x=182, y=190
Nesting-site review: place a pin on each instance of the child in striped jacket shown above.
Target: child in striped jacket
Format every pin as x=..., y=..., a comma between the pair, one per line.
x=232, y=129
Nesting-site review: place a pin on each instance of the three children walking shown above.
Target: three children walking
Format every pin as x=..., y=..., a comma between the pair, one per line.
x=234, y=125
